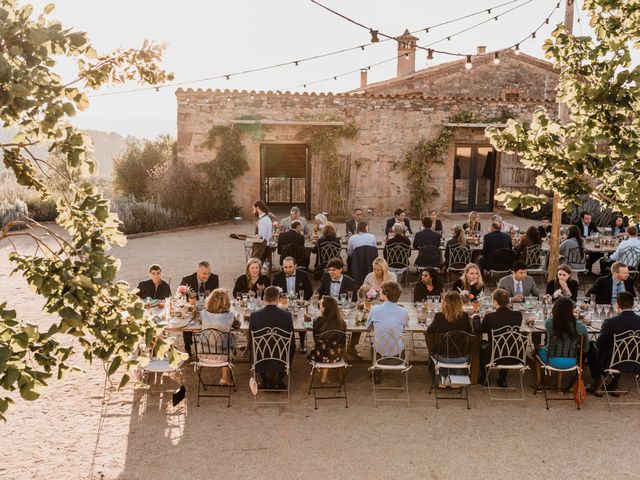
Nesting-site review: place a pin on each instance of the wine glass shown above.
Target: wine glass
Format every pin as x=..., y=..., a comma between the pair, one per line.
x=599, y=309
x=343, y=298
x=606, y=308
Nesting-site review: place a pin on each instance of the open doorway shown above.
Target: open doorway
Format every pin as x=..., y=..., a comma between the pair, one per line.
x=474, y=173
x=285, y=176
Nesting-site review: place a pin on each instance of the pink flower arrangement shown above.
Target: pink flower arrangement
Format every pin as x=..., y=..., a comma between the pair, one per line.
x=372, y=294
x=182, y=289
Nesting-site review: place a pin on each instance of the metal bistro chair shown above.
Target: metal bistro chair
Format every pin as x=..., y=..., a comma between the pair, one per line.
x=398, y=259
x=630, y=257
x=160, y=367
x=452, y=365
x=248, y=249
x=214, y=349
x=459, y=257
x=273, y=345
x=428, y=256
x=327, y=251
x=334, y=341
x=625, y=359
x=499, y=264
x=559, y=348
x=389, y=355
x=536, y=261
x=508, y=352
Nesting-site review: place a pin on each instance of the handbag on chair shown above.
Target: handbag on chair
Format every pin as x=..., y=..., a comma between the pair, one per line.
x=579, y=390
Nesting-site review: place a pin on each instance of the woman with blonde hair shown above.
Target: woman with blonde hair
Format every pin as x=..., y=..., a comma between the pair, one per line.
x=470, y=284
x=378, y=276
x=473, y=223
x=217, y=314
x=451, y=317
x=252, y=280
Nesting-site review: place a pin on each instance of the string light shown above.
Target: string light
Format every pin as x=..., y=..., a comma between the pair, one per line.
x=468, y=63
x=496, y=58
x=533, y=34
x=406, y=56
x=517, y=49
x=374, y=36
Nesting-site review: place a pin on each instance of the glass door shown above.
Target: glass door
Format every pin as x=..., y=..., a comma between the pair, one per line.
x=474, y=171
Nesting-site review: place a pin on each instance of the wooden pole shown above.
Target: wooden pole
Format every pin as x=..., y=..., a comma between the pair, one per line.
x=556, y=219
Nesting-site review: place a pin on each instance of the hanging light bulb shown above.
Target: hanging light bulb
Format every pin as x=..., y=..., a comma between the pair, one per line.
x=430, y=54
x=374, y=36
x=296, y=63
x=489, y=11
x=304, y=85
x=517, y=49
x=468, y=63
x=495, y=18
x=546, y=20
x=227, y=77
x=533, y=34
x=426, y=30
x=496, y=58
x=406, y=56
x=362, y=47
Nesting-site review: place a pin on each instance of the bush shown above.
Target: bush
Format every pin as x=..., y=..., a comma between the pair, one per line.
x=137, y=217
x=601, y=216
x=10, y=211
x=42, y=210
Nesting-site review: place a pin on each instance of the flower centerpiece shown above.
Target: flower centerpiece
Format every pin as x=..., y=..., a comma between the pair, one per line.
x=372, y=296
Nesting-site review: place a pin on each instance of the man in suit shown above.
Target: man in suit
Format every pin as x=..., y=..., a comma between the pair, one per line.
x=352, y=224
x=271, y=316
x=587, y=228
x=427, y=236
x=502, y=317
x=607, y=288
x=626, y=320
x=293, y=236
x=518, y=285
x=544, y=229
x=400, y=216
x=155, y=288
x=294, y=216
x=202, y=281
x=294, y=280
x=494, y=241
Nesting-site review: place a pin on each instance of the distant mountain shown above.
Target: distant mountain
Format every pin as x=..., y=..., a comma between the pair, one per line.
x=106, y=146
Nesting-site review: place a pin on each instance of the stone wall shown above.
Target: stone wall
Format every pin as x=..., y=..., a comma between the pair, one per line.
x=387, y=127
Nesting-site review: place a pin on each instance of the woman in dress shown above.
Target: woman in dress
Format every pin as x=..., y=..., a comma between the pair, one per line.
x=451, y=316
x=329, y=319
x=532, y=237
x=377, y=277
x=217, y=314
x=428, y=285
x=563, y=285
x=470, y=284
x=252, y=280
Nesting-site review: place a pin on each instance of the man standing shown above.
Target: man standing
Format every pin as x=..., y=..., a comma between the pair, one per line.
x=294, y=215
x=202, y=281
x=518, y=285
x=271, y=372
x=294, y=280
x=388, y=321
x=400, y=216
x=155, y=288
x=607, y=288
x=264, y=230
x=352, y=224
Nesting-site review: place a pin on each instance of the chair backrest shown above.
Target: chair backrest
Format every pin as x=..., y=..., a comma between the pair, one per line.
x=459, y=255
x=362, y=262
x=509, y=343
x=626, y=352
x=500, y=260
x=398, y=255
x=534, y=256
x=248, y=249
x=428, y=256
x=388, y=348
x=296, y=251
x=327, y=251
x=630, y=256
x=212, y=341
x=334, y=342
x=575, y=256
x=456, y=344
x=271, y=344
x=565, y=347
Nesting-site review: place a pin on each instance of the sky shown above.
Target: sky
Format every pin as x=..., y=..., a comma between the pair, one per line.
x=206, y=38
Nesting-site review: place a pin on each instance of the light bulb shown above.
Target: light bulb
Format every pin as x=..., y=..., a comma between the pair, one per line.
x=496, y=59
x=517, y=49
x=468, y=63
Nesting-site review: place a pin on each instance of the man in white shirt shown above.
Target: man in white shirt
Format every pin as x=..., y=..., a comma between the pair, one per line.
x=264, y=230
x=632, y=242
x=362, y=237
x=294, y=215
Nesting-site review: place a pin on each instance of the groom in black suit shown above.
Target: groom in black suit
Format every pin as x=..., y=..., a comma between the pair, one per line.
x=293, y=280
x=334, y=282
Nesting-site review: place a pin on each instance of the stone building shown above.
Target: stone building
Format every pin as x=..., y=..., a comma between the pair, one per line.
x=389, y=118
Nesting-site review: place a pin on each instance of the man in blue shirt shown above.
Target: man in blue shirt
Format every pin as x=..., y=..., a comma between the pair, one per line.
x=388, y=321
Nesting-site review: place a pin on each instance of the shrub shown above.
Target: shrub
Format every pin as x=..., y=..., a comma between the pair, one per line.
x=10, y=211
x=601, y=216
x=137, y=216
x=42, y=210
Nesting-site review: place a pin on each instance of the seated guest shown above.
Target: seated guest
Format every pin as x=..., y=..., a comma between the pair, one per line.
x=217, y=314
x=352, y=224
x=505, y=226
x=253, y=280
x=458, y=238
x=494, y=241
x=451, y=316
x=388, y=321
x=586, y=228
x=632, y=242
x=201, y=281
x=470, y=284
x=519, y=285
x=319, y=222
x=294, y=216
x=428, y=285
x=607, y=288
x=563, y=335
x=293, y=280
x=293, y=236
x=329, y=320
x=377, y=277
x=472, y=224
x=400, y=216
x=563, y=285
x=426, y=236
x=271, y=316
x=502, y=317
x=618, y=226
x=574, y=240
x=532, y=237
x=362, y=237
x=626, y=320
x=155, y=287
x=544, y=229
x=398, y=237
x=435, y=223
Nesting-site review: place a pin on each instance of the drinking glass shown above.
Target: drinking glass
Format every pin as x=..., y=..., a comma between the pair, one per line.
x=349, y=297
x=343, y=298
x=599, y=309
x=607, y=308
